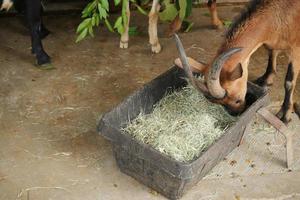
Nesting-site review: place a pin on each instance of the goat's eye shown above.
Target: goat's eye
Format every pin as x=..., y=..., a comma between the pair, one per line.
x=238, y=101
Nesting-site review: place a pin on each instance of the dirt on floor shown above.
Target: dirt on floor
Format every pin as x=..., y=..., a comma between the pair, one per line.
x=49, y=146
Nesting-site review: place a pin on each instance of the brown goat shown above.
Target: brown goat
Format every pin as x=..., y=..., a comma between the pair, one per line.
x=273, y=23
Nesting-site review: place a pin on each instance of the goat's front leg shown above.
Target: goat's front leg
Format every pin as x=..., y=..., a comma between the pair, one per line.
x=212, y=7
x=44, y=32
x=290, y=83
x=33, y=15
x=152, y=29
x=125, y=36
x=267, y=78
x=20, y=6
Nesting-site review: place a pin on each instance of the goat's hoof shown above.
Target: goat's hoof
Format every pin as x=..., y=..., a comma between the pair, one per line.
x=156, y=48
x=286, y=119
x=218, y=25
x=43, y=59
x=123, y=45
x=46, y=66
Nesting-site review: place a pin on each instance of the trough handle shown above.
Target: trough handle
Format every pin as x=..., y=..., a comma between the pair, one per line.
x=283, y=129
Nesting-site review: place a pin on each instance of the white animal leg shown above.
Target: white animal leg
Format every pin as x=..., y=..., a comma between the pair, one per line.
x=125, y=37
x=152, y=29
x=6, y=5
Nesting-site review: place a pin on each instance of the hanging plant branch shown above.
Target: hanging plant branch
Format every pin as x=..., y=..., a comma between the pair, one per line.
x=97, y=11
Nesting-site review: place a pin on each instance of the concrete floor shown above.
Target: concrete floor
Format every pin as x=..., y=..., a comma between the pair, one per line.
x=49, y=147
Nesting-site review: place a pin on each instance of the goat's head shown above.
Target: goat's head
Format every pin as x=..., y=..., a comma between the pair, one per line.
x=225, y=82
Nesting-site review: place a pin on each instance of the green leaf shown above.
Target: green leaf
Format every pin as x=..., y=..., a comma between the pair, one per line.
x=83, y=25
x=227, y=23
x=118, y=22
x=108, y=25
x=141, y=10
x=189, y=8
x=169, y=13
x=117, y=2
x=119, y=25
x=93, y=20
x=91, y=32
x=189, y=26
x=92, y=6
x=97, y=20
x=105, y=4
x=102, y=12
x=182, y=8
x=82, y=35
x=185, y=8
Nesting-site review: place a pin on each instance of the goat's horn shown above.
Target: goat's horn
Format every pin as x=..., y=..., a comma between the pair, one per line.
x=199, y=85
x=213, y=80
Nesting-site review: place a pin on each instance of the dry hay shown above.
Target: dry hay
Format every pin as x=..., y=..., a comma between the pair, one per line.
x=182, y=125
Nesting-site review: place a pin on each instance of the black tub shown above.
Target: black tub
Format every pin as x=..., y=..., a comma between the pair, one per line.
x=161, y=173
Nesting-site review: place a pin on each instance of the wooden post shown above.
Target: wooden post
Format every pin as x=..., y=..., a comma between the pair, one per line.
x=282, y=128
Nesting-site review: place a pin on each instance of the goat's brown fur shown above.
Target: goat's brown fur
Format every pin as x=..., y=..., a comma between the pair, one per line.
x=273, y=23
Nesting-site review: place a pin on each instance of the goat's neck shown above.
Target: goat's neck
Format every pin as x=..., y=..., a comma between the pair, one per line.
x=250, y=37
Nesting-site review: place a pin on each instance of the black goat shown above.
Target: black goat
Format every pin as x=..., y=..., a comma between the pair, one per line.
x=32, y=10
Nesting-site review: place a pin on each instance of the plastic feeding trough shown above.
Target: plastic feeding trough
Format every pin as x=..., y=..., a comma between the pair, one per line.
x=154, y=169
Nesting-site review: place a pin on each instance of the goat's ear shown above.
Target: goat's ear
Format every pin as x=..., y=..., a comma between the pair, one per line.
x=236, y=73
x=196, y=66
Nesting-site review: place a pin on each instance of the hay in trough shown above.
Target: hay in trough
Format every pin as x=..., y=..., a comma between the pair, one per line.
x=182, y=125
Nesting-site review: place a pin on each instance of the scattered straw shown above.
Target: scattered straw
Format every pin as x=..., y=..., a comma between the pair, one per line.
x=182, y=125
x=27, y=190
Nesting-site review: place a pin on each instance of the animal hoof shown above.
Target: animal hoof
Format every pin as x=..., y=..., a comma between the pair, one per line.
x=218, y=25
x=47, y=66
x=156, y=48
x=43, y=59
x=285, y=119
x=123, y=45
